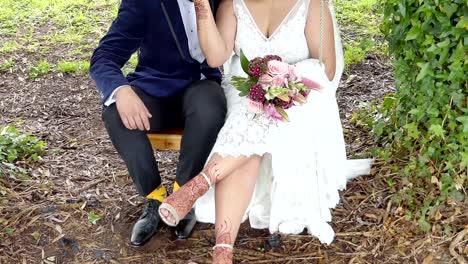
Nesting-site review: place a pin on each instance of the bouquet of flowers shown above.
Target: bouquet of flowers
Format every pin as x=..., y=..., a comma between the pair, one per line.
x=272, y=86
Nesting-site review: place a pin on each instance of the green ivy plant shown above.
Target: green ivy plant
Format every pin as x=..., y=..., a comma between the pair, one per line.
x=425, y=123
x=18, y=146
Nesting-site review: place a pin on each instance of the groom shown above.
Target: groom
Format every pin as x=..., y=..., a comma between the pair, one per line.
x=172, y=87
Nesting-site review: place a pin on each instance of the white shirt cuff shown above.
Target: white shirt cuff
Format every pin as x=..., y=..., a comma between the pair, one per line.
x=111, y=99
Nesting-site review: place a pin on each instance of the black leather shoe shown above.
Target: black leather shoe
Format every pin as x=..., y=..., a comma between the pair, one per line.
x=186, y=225
x=146, y=225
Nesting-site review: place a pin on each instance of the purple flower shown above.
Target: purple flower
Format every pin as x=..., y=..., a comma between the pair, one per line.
x=256, y=93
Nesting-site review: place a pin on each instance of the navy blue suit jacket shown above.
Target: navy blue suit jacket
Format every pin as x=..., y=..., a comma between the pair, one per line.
x=156, y=29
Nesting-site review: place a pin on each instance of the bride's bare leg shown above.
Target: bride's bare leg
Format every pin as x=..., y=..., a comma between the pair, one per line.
x=233, y=195
x=177, y=205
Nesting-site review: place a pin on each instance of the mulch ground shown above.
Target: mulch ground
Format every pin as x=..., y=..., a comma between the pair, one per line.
x=82, y=173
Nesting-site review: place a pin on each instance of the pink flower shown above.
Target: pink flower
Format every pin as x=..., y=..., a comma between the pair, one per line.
x=293, y=74
x=279, y=80
x=255, y=107
x=311, y=84
x=301, y=99
x=270, y=111
x=277, y=68
x=265, y=79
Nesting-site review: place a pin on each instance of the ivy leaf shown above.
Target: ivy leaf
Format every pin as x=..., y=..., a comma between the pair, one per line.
x=36, y=235
x=412, y=130
x=93, y=217
x=449, y=9
x=464, y=159
x=10, y=231
x=436, y=130
x=402, y=9
x=464, y=121
x=463, y=23
x=433, y=111
x=425, y=226
x=424, y=71
x=413, y=33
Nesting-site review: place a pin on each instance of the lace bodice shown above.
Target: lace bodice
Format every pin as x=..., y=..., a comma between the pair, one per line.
x=288, y=40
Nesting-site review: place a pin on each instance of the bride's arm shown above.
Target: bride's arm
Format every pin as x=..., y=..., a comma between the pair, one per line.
x=313, y=36
x=216, y=39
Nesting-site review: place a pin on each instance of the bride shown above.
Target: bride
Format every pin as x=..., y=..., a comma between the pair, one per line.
x=281, y=176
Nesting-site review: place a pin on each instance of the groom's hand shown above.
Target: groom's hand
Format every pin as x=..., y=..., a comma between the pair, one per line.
x=132, y=110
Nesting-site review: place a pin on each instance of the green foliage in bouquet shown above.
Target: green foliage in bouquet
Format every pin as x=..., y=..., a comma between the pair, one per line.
x=17, y=146
x=426, y=122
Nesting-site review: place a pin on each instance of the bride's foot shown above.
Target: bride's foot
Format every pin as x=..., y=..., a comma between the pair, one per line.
x=223, y=254
x=178, y=205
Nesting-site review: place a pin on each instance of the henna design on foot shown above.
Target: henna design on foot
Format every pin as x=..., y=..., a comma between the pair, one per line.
x=222, y=255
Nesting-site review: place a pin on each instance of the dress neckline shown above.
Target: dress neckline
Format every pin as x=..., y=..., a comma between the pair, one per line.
x=285, y=19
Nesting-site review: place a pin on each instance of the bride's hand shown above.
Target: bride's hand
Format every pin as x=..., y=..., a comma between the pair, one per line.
x=216, y=39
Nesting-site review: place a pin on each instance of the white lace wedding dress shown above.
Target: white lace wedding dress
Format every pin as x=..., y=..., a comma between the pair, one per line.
x=304, y=161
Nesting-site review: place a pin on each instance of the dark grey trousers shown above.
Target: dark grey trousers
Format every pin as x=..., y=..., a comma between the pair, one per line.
x=200, y=110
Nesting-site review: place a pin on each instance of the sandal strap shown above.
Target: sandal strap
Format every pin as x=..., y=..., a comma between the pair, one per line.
x=223, y=246
x=206, y=178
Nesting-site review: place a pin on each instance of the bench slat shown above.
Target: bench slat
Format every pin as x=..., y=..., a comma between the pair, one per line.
x=169, y=140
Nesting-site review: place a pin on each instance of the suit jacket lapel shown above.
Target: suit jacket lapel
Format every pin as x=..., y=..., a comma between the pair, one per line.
x=173, y=17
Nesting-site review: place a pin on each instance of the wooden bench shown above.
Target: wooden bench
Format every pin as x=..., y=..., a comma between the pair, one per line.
x=167, y=140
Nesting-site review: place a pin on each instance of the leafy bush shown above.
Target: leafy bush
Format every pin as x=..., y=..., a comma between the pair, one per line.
x=16, y=146
x=425, y=123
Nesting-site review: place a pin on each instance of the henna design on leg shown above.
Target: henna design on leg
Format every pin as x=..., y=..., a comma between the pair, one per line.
x=222, y=252
x=177, y=205
x=223, y=233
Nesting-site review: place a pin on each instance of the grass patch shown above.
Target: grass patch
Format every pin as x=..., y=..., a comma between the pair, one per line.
x=7, y=66
x=350, y=14
x=41, y=69
x=54, y=23
x=69, y=37
x=362, y=35
x=355, y=52
x=131, y=64
x=9, y=46
x=73, y=67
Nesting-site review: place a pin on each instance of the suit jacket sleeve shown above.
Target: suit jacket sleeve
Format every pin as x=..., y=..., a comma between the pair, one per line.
x=121, y=41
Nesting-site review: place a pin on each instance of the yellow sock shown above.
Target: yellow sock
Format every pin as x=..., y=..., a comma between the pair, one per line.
x=159, y=194
x=176, y=187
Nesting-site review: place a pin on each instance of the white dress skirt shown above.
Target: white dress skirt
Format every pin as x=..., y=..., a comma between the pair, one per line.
x=304, y=161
